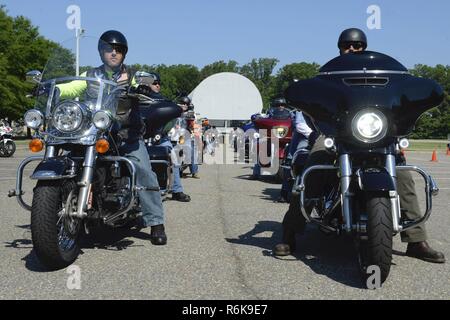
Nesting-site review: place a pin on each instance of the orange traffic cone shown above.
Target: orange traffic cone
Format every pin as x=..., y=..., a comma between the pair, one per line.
x=448, y=150
x=434, y=157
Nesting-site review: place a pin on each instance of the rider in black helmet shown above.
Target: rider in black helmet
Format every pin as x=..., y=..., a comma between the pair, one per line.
x=352, y=40
x=113, y=47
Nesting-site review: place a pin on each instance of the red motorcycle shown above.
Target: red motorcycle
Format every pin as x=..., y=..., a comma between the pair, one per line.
x=278, y=124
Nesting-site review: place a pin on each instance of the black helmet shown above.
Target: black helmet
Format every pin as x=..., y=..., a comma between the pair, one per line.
x=113, y=37
x=352, y=35
x=185, y=100
x=278, y=102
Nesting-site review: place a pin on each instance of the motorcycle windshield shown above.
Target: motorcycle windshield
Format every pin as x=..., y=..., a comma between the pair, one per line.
x=72, y=97
x=365, y=80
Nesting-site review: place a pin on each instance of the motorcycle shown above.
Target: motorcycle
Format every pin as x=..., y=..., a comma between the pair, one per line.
x=280, y=125
x=365, y=104
x=7, y=144
x=82, y=180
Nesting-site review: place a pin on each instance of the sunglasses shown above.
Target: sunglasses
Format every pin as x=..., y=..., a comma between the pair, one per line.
x=156, y=83
x=356, y=45
x=111, y=48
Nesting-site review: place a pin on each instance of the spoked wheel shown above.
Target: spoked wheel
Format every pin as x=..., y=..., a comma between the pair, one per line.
x=375, y=246
x=7, y=149
x=54, y=231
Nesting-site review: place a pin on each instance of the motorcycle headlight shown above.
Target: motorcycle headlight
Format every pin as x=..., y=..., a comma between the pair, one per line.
x=369, y=126
x=68, y=116
x=281, y=132
x=102, y=120
x=33, y=119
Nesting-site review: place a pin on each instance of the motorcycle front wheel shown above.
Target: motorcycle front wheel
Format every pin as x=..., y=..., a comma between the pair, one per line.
x=376, y=248
x=7, y=149
x=54, y=233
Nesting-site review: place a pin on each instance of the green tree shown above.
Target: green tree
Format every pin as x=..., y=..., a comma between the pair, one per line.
x=218, y=67
x=290, y=72
x=260, y=72
x=436, y=122
x=21, y=49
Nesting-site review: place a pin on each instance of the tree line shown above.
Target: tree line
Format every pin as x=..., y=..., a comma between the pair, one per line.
x=22, y=48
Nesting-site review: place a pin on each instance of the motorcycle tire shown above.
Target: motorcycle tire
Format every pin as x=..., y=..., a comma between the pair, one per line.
x=9, y=148
x=376, y=250
x=55, y=242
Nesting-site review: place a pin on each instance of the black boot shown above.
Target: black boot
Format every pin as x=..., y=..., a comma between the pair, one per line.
x=180, y=196
x=288, y=244
x=158, y=235
x=422, y=250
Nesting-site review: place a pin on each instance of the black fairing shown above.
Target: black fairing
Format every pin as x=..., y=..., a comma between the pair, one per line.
x=362, y=80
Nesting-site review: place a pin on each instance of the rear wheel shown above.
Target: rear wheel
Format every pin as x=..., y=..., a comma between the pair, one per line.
x=375, y=246
x=54, y=232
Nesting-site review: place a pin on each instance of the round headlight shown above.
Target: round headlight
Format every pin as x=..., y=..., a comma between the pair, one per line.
x=33, y=119
x=68, y=117
x=369, y=126
x=280, y=132
x=102, y=120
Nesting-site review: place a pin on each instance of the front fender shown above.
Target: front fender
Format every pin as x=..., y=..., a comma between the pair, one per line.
x=55, y=169
x=375, y=179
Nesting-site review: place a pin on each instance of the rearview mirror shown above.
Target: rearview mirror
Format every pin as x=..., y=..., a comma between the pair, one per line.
x=34, y=77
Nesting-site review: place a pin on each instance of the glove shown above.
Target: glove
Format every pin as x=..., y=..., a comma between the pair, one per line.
x=312, y=138
x=144, y=90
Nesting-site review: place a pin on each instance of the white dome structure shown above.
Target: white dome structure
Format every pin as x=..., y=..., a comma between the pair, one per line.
x=226, y=96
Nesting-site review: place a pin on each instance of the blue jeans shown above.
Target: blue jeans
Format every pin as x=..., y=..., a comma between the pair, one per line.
x=177, y=187
x=298, y=143
x=151, y=203
x=194, y=161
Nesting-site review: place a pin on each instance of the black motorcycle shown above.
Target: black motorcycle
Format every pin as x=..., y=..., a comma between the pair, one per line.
x=82, y=180
x=365, y=104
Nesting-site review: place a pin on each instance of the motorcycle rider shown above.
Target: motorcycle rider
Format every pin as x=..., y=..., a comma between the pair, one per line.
x=351, y=41
x=177, y=188
x=298, y=150
x=277, y=105
x=113, y=47
x=195, y=140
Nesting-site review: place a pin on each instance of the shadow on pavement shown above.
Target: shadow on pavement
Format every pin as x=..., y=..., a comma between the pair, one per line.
x=331, y=256
x=100, y=238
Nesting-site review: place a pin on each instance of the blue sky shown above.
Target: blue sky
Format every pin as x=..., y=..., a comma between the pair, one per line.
x=200, y=32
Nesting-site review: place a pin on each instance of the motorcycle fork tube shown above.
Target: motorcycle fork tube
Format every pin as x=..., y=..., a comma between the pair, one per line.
x=345, y=177
x=50, y=152
x=85, y=182
x=393, y=195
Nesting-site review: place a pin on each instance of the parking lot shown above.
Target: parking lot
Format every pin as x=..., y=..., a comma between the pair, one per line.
x=219, y=247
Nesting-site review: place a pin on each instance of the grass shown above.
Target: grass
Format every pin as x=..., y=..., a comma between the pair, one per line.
x=428, y=145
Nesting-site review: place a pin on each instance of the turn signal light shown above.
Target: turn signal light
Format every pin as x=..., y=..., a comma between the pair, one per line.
x=102, y=146
x=36, y=145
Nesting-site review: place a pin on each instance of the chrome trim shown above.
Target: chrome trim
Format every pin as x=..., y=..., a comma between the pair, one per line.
x=50, y=152
x=396, y=211
x=430, y=189
x=19, y=176
x=300, y=187
x=132, y=169
x=362, y=72
x=85, y=182
x=346, y=176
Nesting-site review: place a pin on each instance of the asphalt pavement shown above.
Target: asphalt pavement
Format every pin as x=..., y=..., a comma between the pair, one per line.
x=219, y=247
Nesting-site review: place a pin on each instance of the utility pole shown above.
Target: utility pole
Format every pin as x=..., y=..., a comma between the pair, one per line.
x=74, y=23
